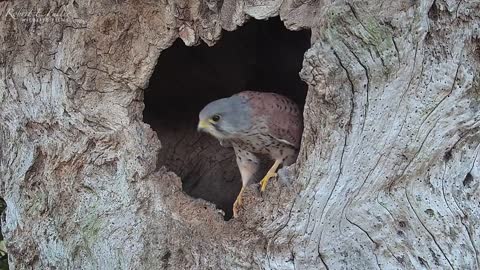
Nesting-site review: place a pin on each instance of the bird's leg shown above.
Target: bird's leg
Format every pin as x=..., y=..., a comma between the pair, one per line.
x=237, y=203
x=271, y=173
x=247, y=164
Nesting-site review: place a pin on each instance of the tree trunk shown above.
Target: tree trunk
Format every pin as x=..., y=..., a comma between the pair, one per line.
x=388, y=175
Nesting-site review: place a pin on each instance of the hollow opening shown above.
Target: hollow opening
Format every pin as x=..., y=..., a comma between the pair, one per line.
x=259, y=56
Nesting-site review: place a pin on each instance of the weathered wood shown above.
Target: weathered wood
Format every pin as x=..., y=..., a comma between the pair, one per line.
x=388, y=175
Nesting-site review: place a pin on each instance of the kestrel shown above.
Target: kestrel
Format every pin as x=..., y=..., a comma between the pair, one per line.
x=255, y=123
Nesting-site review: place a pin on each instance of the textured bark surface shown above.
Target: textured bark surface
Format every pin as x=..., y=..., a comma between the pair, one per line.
x=388, y=175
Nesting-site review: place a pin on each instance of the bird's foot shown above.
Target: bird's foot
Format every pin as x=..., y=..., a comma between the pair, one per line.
x=236, y=205
x=265, y=179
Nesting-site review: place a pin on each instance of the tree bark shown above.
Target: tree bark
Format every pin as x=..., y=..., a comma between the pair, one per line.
x=388, y=174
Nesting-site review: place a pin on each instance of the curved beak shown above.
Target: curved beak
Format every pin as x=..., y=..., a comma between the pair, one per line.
x=203, y=125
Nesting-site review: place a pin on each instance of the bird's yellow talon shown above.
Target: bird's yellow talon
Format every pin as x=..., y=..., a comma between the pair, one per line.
x=265, y=180
x=237, y=204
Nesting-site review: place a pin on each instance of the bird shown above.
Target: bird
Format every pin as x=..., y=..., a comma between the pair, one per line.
x=255, y=123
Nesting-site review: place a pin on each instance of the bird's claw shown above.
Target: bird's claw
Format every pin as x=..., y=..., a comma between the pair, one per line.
x=265, y=179
x=236, y=205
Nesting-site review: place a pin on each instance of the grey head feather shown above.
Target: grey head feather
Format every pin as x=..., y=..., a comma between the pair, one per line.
x=235, y=117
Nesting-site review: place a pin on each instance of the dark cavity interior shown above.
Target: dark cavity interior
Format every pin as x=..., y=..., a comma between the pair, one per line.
x=259, y=56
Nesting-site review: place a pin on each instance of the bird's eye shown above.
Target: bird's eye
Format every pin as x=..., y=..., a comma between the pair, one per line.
x=215, y=118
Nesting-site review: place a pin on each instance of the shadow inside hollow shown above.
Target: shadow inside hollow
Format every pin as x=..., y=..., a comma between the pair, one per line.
x=260, y=56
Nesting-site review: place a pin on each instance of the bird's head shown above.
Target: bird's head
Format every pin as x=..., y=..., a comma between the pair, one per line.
x=225, y=118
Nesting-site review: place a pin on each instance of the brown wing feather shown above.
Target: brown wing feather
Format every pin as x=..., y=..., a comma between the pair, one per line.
x=282, y=115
